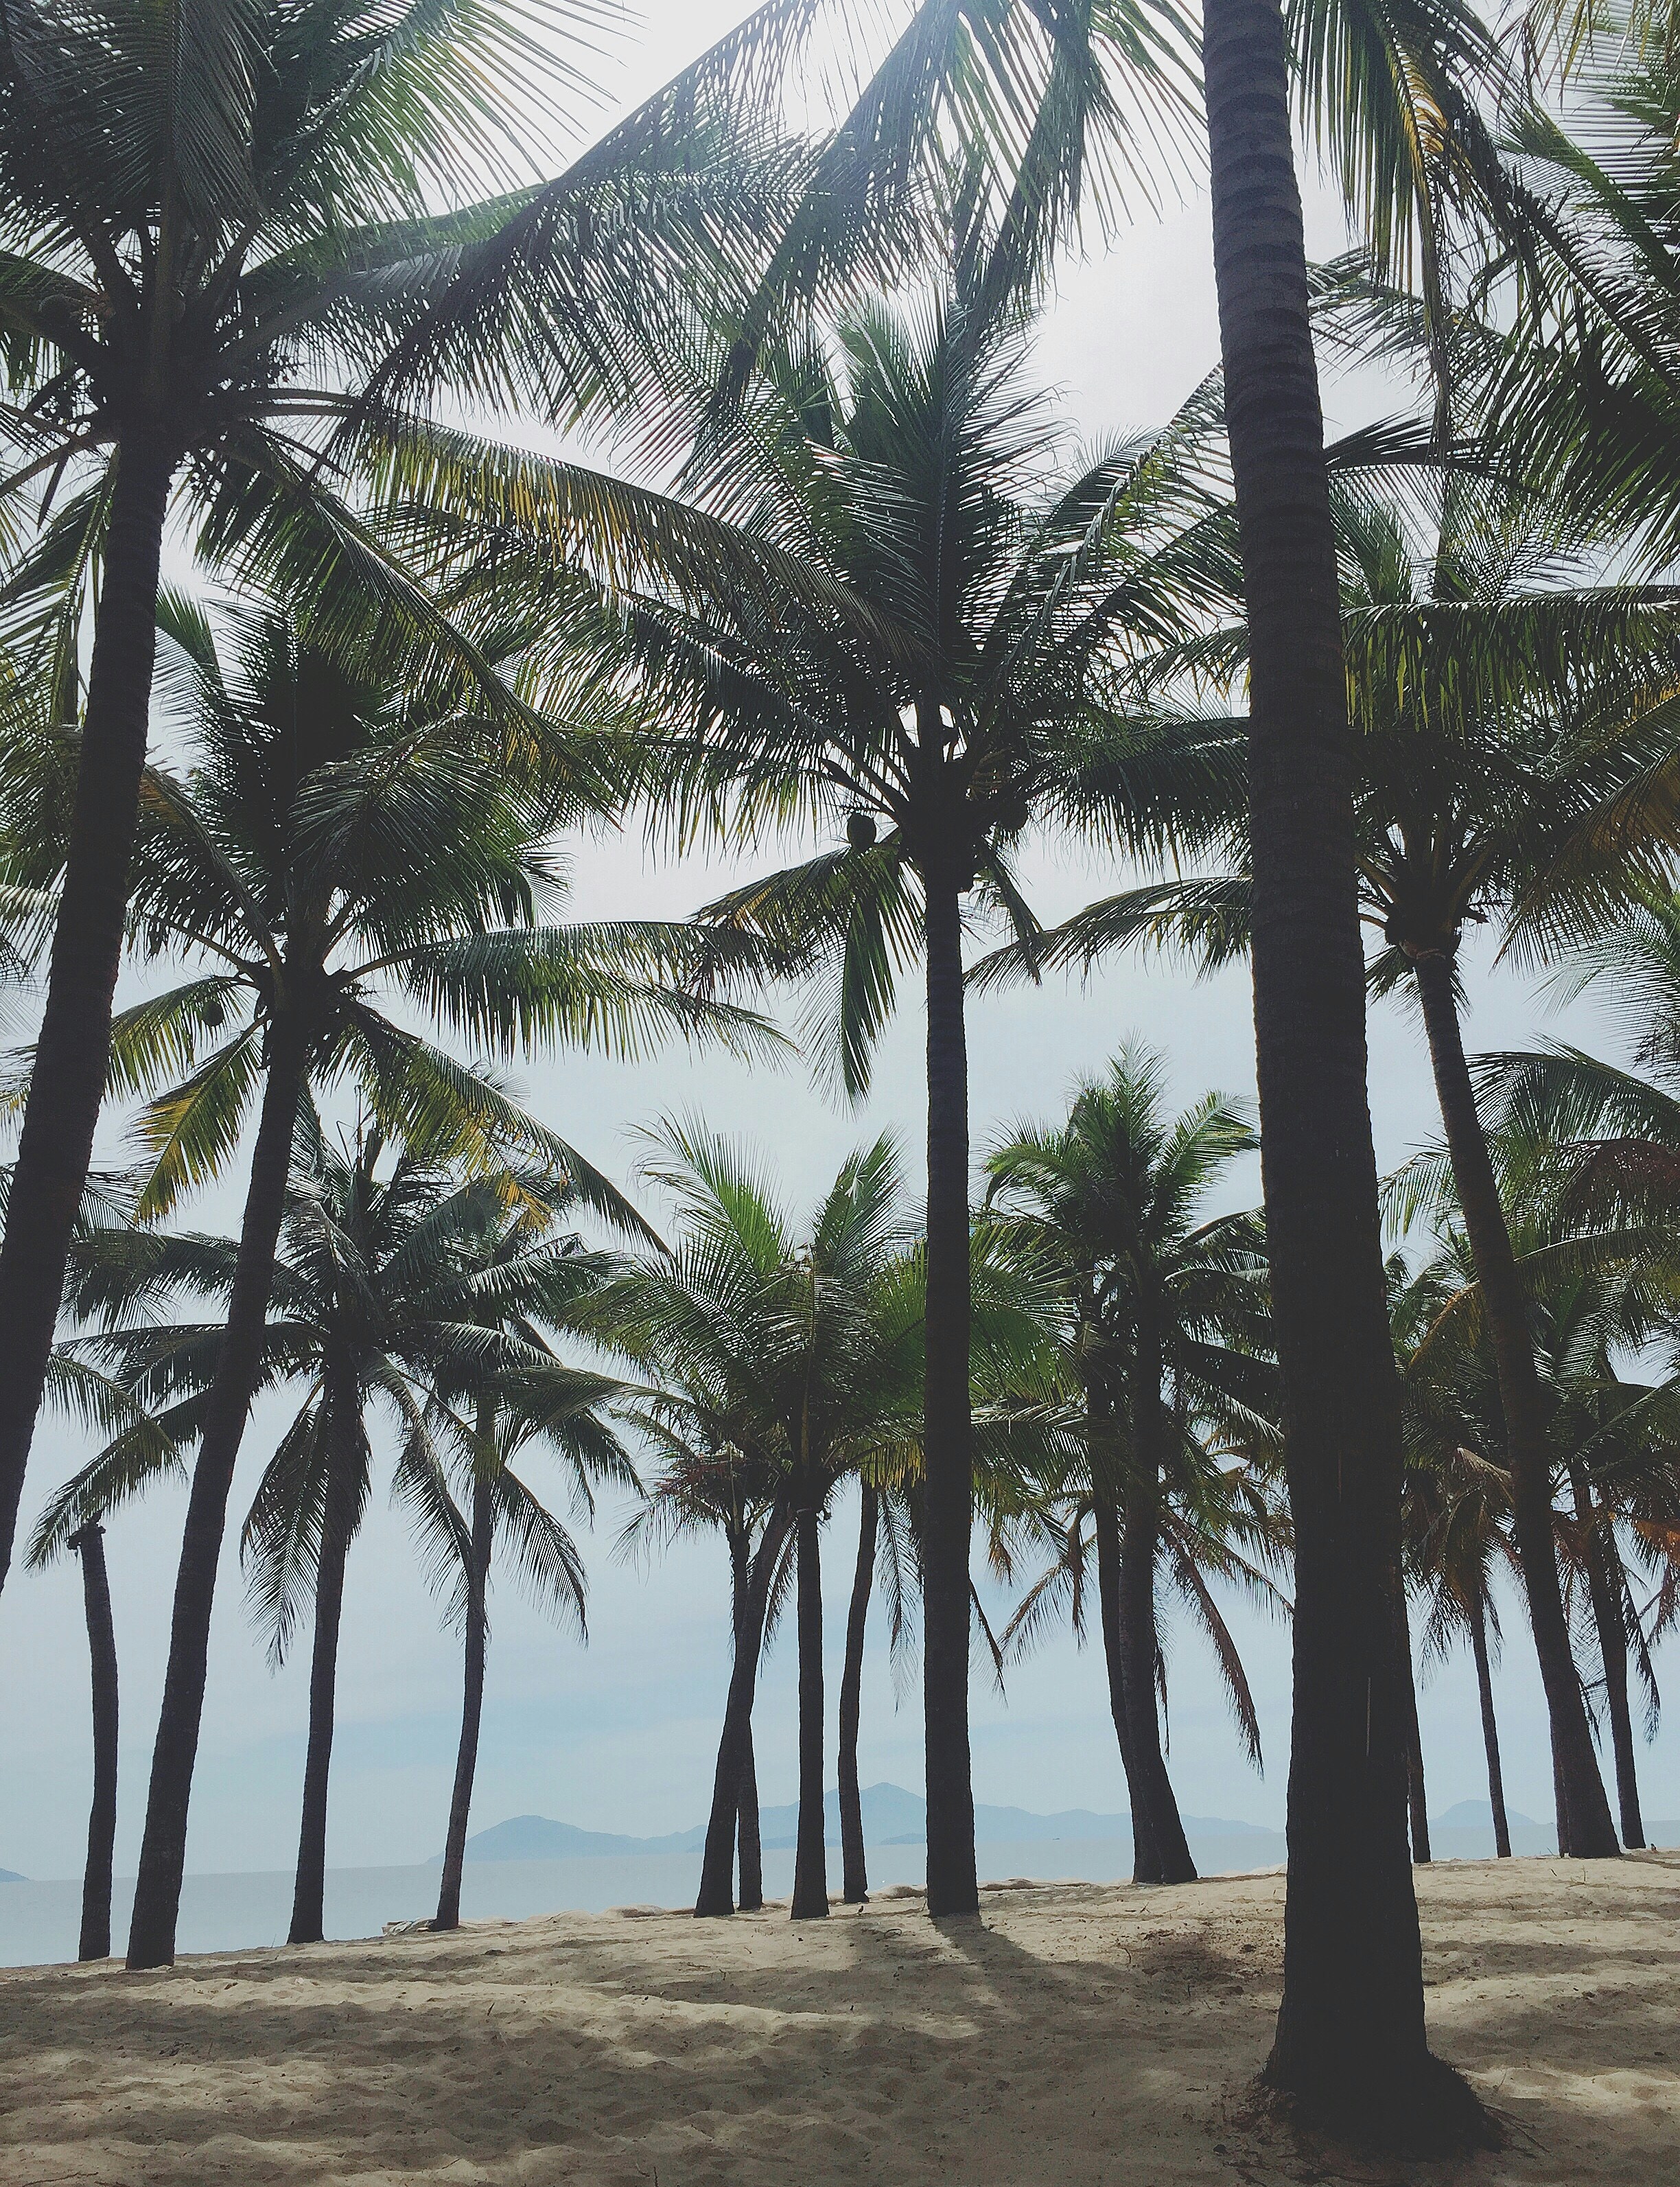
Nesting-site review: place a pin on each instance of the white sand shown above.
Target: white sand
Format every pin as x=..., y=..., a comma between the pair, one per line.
x=1076, y=2034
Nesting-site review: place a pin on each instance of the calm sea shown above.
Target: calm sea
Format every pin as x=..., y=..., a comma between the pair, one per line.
x=40, y=1921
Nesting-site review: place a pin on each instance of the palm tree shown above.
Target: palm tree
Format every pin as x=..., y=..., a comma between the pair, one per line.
x=378, y=1298
x=1157, y=1304
x=220, y=224
x=332, y=832
x=514, y=1277
x=705, y=1480
x=790, y=1353
x=1507, y=719
x=931, y=675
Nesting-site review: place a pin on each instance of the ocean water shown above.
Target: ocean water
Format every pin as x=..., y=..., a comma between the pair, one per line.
x=39, y=1922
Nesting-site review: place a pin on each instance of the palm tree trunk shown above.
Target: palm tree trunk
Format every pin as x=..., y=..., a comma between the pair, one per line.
x=338, y=1520
x=1591, y=1834
x=163, y=1847
x=89, y=1545
x=1417, y=1798
x=67, y=1081
x=1603, y=1582
x=1139, y=1639
x=448, y=1915
x=1490, y=1729
x=953, y=1885
x=811, y=1865
x=750, y=1851
x=1351, y=2043
x=717, y=1866
x=854, y=1863
x=1145, y=1853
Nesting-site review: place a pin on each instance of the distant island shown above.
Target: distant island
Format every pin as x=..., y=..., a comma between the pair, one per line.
x=11, y=1875
x=891, y=1816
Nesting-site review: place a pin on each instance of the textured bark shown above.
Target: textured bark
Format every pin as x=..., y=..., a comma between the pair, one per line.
x=854, y=1863
x=163, y=1847
x=811, y=1866
x=1350, y=2047
x=67, y=1081
x=717, y=1865
x=750, y=1850
x=1605, y=1584
x=1590, y=1833
x=89, y=1545
x=1145, y=1854
x=472, y=1693
x=1417, y=1798
x=1490, y=1729
x=338, y=1522
x=947, y=1432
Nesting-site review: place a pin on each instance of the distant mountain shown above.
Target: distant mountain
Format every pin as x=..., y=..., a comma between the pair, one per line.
x=891, y=1816
x=1478, y=1815
x=11, y=1875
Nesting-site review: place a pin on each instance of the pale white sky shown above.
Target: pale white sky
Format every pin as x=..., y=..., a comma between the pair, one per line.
x=621, y=1734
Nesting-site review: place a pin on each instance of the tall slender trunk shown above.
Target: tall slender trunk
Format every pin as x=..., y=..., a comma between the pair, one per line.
x=67, y=1081
x=953, y=1885
x=1350, y=2044
x=1145, y=1853
x=448, y=1914
x=338, y=1524
x=1490, y=1728
x=854, y=1863
x=89, y=1545
x=1587, y=1813
x=163, y=1847
x=717, y=1865
x=1417, y=1797
x=750, y=1850
x=811, y=1865
x=1605, y=1584
x=1139, y=1639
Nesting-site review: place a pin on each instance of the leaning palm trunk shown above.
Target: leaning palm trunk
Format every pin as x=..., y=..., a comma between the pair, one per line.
x=67, y=1083
x=854, y=1863
x=338, y=1519
x=1605, y=1584
x=1490, y=1728
x=89, y=1545
x=947, y=1431
x=1586, y=1831
x=1351, y=2043
x=163, y=1847
x=1145, y=1853
x=811, y=1863
x=1417, y=1798
x=716, y=1891
x=1139, y=1639
x=448, y=1915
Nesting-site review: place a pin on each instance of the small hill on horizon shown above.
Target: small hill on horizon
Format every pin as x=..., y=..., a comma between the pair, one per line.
x=1478, y=1815
x=11, y=1875
x=891, y=1816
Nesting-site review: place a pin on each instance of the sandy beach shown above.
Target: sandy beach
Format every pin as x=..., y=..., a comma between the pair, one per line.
x=1076, y=2033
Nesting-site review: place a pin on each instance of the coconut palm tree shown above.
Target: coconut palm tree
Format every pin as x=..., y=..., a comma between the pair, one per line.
x=332, y=832
x=705, y=1480
x=932, y=680
x=1157, y=1305
x=1508, y=718
x=378, y=1301
x=220, y=224
x=777, y=1347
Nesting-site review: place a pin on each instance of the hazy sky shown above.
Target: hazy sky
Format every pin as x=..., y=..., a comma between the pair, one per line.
x=620, y=1735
